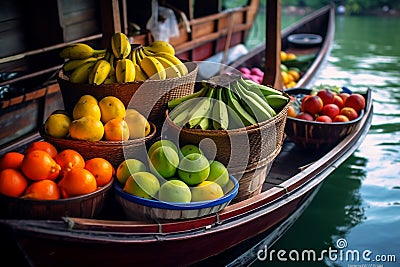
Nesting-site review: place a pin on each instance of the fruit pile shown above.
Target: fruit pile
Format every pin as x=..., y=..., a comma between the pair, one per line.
x=290, y=75
x=328, y=106
x=121, y=62
x=227, y=102
x=43, y=173
x=94, y=120
x=179, y=175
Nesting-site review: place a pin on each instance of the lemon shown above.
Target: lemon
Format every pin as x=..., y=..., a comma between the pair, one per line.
x=86, y=128
x=111, y=107
x=175, y=191
x=283, y=56
x=193, y=169
x=142, y=184
x=86, y=106
x=162, y=142
x=116, y=130
x=206, y=190
x=164, y=161
x=291, y=56
x=57, y=125
x=218, y=173
x=128, y=167
x=138, y=125
x=189, y=149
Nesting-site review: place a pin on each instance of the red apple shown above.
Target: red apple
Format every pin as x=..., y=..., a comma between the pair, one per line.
x=305, y=116
x=338, y=101
x=355, y=101
x=324, y=118
x=330, y=110
x=327, y=96
x=313, y=104
x=349, y=113
x=344, y=96
x=340, y=118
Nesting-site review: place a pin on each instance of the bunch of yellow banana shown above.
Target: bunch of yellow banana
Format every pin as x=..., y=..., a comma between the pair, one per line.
x=121, y=63
x=236, y=104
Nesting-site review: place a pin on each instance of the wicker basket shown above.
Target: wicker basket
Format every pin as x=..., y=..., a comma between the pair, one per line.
x=149, y=97
x=248, y=153
x=137, y=208
x=236, y=148
x=312, y=135
x=113, y=151
x=85, y=206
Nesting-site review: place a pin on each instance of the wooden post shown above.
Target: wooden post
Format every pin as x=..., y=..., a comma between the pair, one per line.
x=110, y=18
x=272, y=74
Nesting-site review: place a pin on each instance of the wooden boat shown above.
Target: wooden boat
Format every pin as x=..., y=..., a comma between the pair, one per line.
x=294, y=179
x=321, y=23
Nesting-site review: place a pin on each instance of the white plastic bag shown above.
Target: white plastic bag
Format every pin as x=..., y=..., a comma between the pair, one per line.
x=162, y=23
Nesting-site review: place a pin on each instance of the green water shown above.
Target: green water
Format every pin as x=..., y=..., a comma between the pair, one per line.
x=359, y=203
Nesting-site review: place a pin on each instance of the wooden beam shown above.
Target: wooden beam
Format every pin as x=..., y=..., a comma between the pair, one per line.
x=110, y=19
x=272, y=74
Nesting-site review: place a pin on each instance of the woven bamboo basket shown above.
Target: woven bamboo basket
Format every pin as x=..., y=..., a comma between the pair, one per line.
x=113, y=151
x=246, y=152
x=312, y=135
x=137, y=208
x=85, y=206
x=236, y=148
x=149, y=97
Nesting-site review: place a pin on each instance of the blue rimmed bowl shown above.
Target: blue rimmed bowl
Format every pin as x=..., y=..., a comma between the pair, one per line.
x=137, y=208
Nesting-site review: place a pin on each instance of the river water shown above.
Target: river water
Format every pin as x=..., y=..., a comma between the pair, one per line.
x=358, y=206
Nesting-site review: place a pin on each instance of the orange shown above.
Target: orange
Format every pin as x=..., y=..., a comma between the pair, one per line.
x=291, y=112
x=42, y=145
x=11, y=160
x=116, y=129
x=69, y=159
x=78, y=181
x=101, y=169
x=12, y=183
x=39, y=165
x=43, y=190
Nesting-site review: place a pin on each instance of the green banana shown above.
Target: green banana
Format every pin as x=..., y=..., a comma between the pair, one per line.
x=181, y=118
x=265, y=90
x=81, y=74
x=258, y=111
x=277, y=102
x=80, y=51
x=72, y=64
x=200, y=109
x=238, y=110
x=220, y=119
x=99, y=72
x=257, y=104
x=176, y=101
x=120, y=45
x=125, y=71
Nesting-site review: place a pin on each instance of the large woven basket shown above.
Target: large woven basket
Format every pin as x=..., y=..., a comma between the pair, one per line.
x=85, y=206
x=149, y=97
x=236, y=148
x=248, y=152
x=113, y=151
